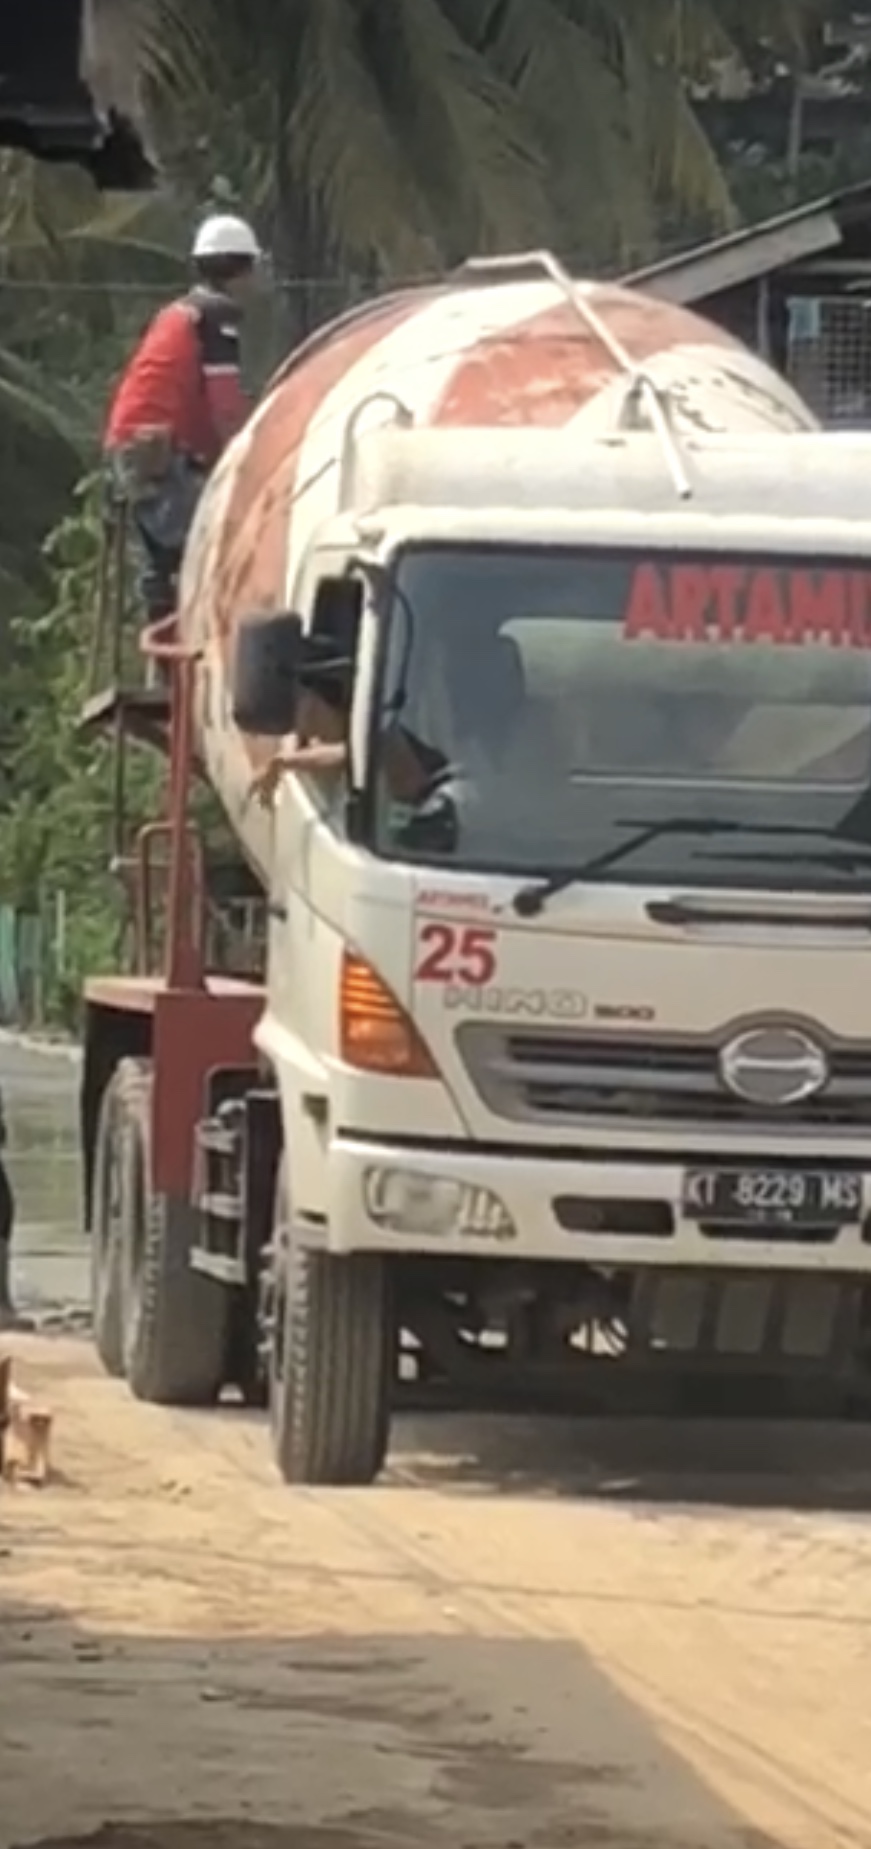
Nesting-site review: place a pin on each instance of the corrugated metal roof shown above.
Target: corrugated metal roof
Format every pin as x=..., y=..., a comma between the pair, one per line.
x=756, y=250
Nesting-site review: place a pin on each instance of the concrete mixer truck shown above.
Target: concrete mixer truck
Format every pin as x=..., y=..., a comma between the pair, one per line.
x=557, y=1075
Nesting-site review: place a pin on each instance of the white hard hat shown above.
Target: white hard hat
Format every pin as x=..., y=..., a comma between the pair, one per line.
x=226, y=236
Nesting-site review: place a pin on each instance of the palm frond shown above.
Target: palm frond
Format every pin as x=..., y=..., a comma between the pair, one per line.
x=681, y=161
x=343, y=148
x=567, y=79
x=43, y=405
x=473, y=144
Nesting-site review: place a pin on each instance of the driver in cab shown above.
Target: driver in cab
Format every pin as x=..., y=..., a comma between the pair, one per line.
x=473, y=701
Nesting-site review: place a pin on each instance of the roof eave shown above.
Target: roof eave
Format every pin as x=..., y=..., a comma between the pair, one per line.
x=725, y=263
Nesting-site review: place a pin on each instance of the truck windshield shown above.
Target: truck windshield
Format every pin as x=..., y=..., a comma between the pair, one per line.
x=534, y=702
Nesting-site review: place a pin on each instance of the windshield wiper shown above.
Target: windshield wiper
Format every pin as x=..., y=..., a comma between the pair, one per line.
x=532, y=898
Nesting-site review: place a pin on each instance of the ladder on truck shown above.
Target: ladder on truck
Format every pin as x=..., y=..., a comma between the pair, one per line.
x=140, y=691
x=168, y=1050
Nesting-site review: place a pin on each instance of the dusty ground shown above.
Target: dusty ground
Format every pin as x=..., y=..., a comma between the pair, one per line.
x=535, y=1637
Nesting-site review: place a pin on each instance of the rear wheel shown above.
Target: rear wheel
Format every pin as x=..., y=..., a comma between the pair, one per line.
x=330, y=1355
x=107, y=1223
x=175, y=1320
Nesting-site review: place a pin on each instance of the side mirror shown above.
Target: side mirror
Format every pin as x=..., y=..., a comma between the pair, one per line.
x=265, y=682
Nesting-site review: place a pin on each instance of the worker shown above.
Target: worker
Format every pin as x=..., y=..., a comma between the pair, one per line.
x=180, y=401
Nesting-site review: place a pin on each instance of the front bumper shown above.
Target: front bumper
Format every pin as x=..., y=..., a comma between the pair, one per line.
x=388, y=1199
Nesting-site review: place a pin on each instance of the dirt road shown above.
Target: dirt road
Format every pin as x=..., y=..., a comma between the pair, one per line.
x=522, y=1638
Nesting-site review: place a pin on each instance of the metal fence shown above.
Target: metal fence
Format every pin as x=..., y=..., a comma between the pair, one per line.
x=829, y=357
x=40, y=953
x=33, y=961
x=76, y=336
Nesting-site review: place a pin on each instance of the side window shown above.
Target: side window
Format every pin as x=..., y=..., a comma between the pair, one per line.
x=337, y=612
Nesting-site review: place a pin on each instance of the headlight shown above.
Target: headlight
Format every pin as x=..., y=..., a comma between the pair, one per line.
x=403, y=1201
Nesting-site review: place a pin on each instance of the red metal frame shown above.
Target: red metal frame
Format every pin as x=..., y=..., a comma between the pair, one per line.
x=199, y=1023
x=184, y=915
x=193, y=1035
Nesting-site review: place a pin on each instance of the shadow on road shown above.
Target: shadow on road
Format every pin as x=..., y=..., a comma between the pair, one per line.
x=321, y=1742
x=787, y=1464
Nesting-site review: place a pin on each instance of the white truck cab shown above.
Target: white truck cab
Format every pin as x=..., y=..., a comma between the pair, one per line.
x=568, y=979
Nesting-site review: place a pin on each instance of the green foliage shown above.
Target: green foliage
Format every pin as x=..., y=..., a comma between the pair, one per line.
x=764, y=187
x=56, y=816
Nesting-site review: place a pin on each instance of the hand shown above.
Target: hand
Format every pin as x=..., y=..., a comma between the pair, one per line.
x=313, y=755
x=266, y=782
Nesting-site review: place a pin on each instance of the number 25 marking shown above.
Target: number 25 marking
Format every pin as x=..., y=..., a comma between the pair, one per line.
x=456, y=953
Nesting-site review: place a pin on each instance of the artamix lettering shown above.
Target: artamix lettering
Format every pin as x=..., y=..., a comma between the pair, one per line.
x=750, y=604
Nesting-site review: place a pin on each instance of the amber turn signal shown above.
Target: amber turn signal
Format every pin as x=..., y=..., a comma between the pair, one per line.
x=375, y=1033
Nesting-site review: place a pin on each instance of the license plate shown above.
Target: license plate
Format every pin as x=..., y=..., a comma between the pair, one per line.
x=776, y=1197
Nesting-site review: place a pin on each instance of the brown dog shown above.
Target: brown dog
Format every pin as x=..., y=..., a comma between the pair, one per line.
x=25, y=1434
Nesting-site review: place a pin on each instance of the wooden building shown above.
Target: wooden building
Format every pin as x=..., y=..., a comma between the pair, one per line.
x=797, y=288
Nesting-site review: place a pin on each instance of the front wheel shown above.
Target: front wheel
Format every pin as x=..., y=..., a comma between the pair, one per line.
x=330, y=1355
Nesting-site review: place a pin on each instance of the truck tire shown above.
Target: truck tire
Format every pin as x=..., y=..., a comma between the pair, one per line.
x=107, y=1219
x=175, y=1320
x=330, y=1357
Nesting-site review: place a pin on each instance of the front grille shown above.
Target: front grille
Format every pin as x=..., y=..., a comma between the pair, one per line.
x=561, y=1076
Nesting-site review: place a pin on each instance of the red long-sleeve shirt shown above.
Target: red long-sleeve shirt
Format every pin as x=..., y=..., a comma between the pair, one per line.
x=185, y=376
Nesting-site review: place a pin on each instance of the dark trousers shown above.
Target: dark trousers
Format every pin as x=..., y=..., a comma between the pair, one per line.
x=162, y=513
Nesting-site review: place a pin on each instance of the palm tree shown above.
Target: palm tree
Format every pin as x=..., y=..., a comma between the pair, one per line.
x=402, y=134
x=392, y=137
